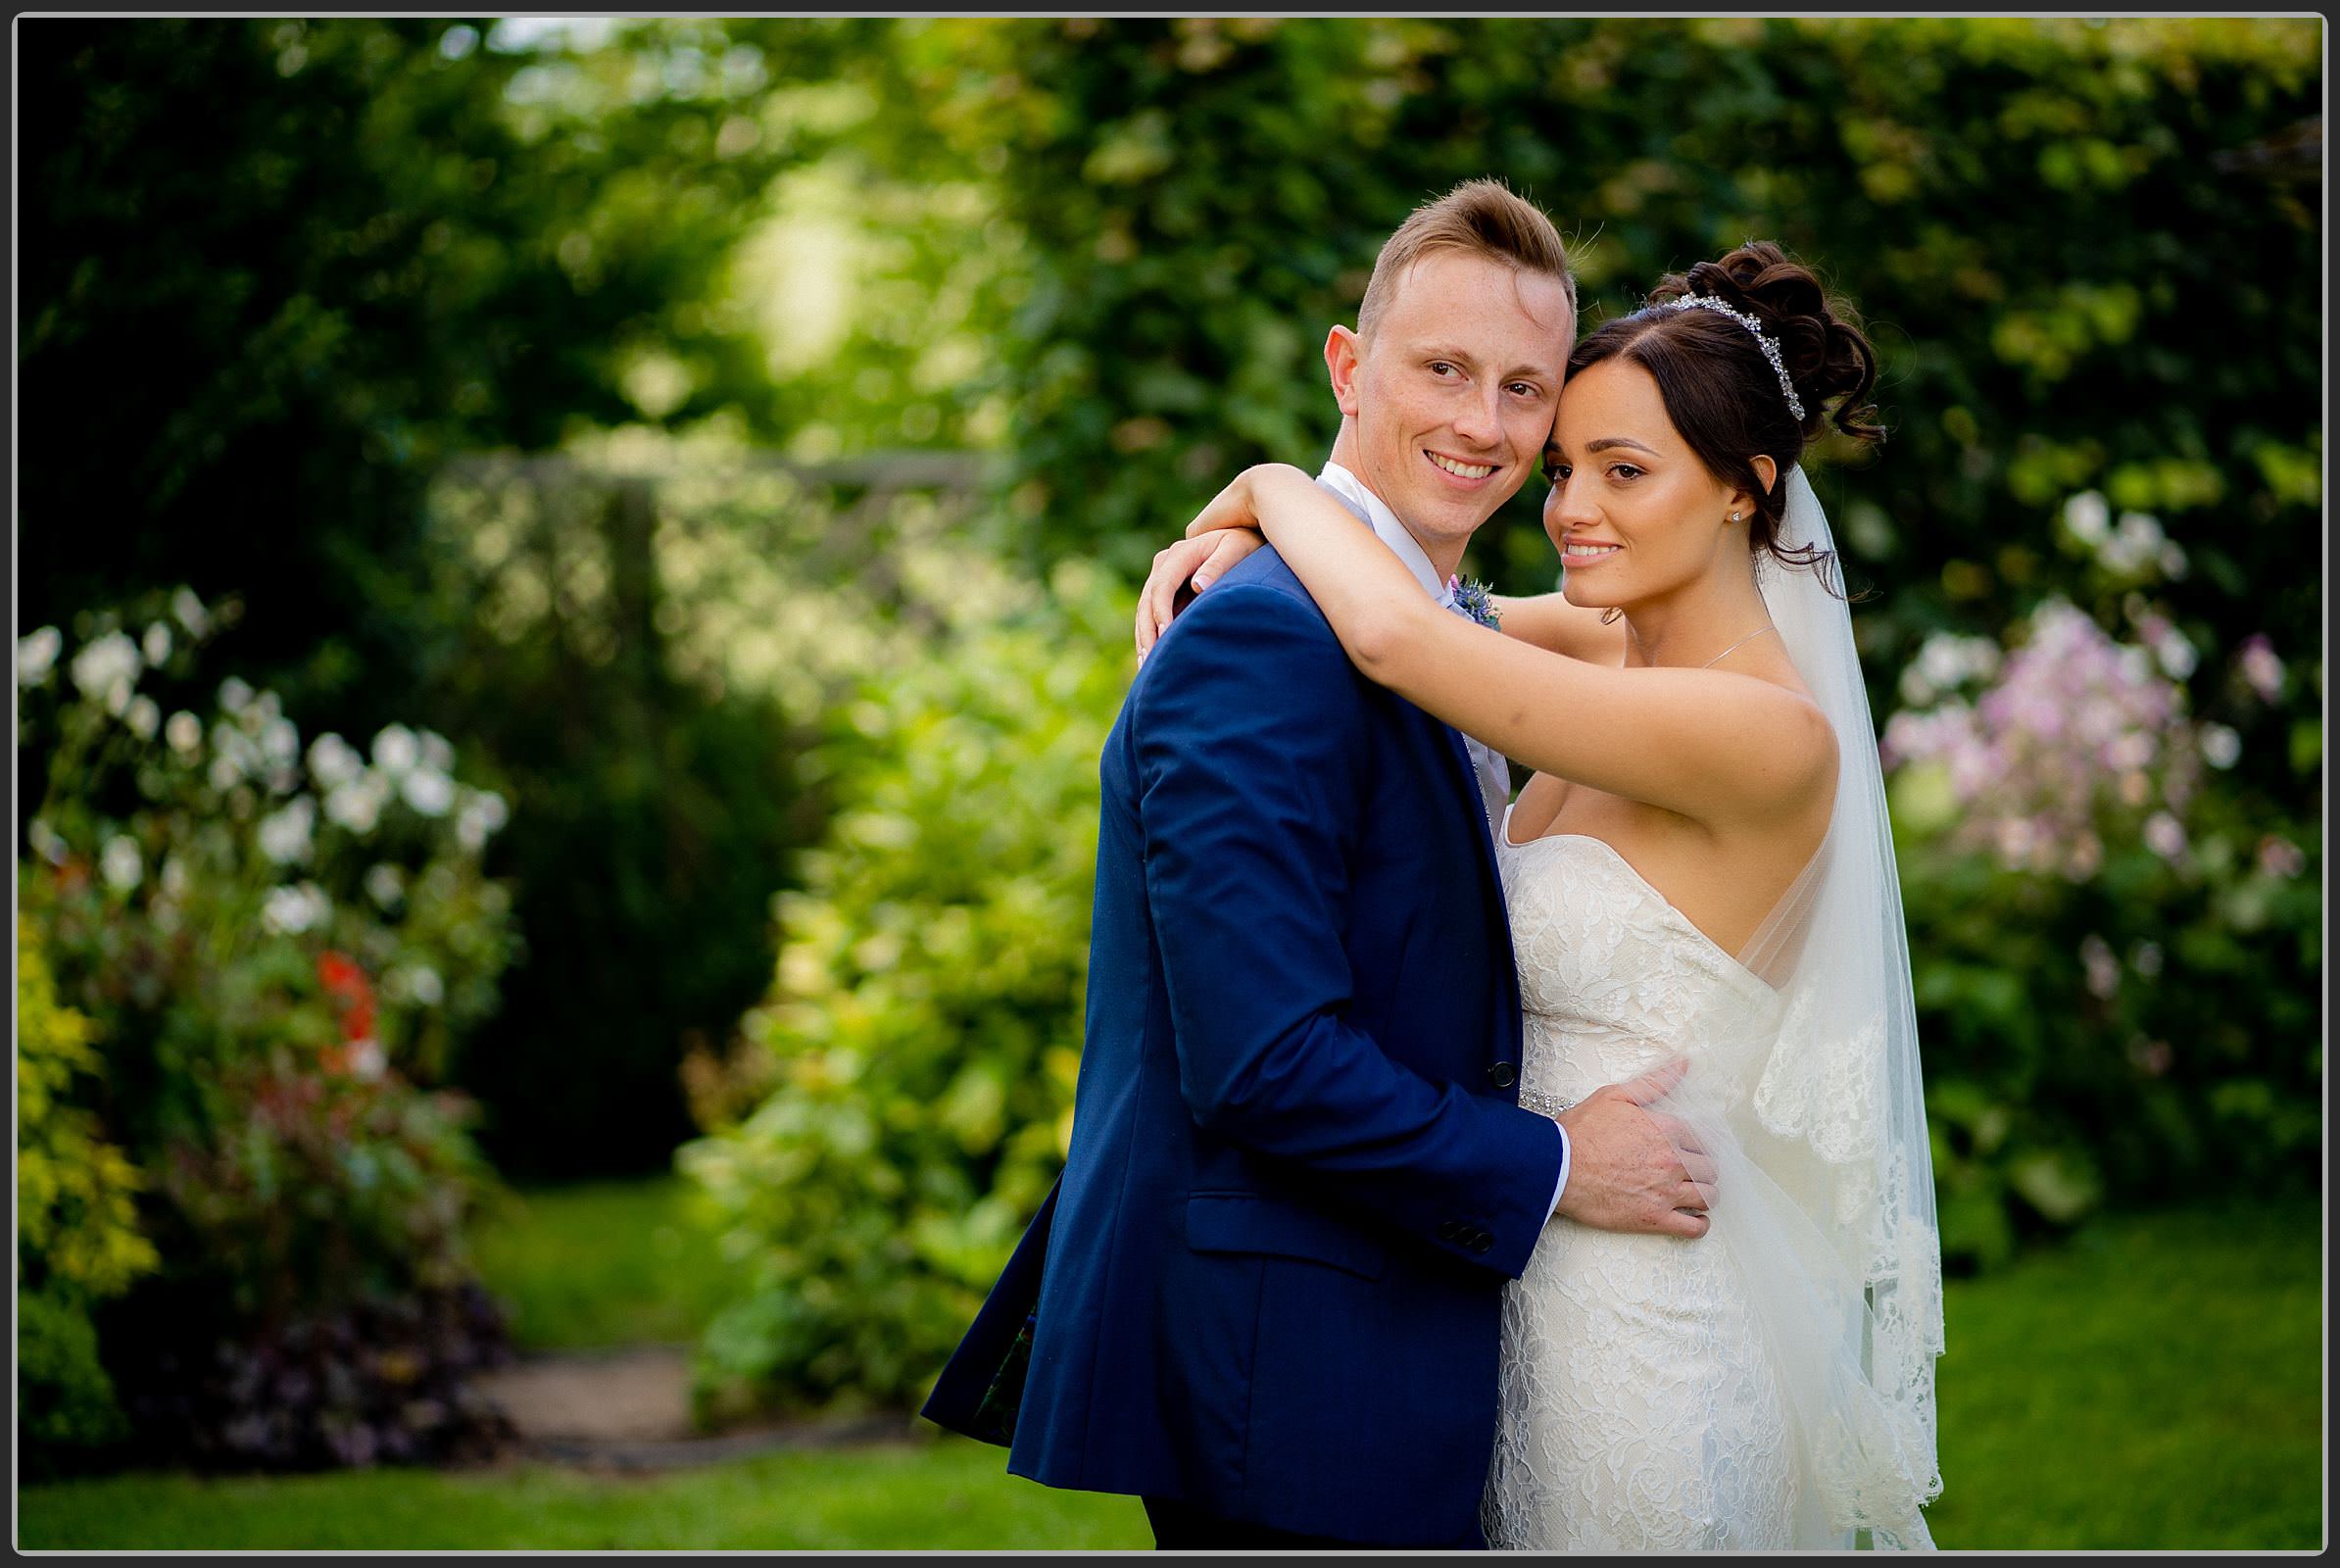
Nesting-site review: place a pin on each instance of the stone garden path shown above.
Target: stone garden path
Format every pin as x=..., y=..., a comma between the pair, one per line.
x=629, y=1408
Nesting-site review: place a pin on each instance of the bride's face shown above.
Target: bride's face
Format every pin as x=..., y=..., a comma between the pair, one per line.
x=1633, y=510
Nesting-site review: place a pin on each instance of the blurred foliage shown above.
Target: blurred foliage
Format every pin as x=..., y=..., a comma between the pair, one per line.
x=78, y=1234
x=2018, y=206
x=900, y=1104
x=299, y=262
x=269, y=946
x=300, y=265
x=660, y=813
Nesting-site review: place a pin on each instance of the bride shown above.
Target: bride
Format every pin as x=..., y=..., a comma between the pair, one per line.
x=1701, y=864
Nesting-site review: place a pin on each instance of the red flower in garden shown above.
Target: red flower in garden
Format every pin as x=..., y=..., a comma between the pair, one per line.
x=346, y=983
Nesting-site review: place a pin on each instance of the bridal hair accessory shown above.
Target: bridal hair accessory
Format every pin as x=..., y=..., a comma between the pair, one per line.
x=1472, y=599
x=1769, y=345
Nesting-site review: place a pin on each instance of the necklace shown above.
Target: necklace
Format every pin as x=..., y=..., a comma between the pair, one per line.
x=1737, y=646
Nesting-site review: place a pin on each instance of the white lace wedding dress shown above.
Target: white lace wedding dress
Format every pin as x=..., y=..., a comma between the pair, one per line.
x=1662, y=1393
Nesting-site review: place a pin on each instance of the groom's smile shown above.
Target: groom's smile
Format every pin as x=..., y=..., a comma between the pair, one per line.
x=1461, y=470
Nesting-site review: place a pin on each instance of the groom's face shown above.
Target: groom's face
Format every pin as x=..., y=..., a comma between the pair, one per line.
x=1452, y=396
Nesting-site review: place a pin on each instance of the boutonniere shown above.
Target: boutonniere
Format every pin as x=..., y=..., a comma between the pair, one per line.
x=1473, y=600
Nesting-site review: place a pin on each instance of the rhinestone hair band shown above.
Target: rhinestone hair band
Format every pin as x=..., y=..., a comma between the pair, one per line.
x=1771, y=348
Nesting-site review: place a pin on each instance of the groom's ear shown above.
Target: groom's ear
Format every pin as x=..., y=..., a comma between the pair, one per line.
x=1343, y=350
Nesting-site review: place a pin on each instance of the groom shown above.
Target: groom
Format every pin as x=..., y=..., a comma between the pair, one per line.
x=1265, y=1293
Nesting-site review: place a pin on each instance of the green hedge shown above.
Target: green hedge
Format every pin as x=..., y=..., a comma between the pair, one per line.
x=902, y=1100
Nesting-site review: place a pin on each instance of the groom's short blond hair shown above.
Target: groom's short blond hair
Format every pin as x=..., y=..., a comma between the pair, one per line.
x=1479, y=216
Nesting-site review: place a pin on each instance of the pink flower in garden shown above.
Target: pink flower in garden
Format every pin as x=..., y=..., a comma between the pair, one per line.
x=2076, y=738
x=2279, y=857
x=2261, y=666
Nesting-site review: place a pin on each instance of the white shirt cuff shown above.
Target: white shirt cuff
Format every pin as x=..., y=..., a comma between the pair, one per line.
x=1563, y=1184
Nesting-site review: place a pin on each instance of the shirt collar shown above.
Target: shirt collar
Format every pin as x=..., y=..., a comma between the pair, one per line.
x=1386, y=528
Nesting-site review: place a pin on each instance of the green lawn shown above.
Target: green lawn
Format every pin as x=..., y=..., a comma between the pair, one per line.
x=950, y=1493
x=603, y=1264
x=2157, y=1383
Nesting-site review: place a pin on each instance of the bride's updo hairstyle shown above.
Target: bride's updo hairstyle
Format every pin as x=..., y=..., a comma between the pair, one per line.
x=1723, y=392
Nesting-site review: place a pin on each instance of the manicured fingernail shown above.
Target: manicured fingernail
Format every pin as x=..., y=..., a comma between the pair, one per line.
x=1201, y=581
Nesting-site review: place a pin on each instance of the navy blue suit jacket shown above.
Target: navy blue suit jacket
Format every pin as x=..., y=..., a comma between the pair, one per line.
x=1269, y=1280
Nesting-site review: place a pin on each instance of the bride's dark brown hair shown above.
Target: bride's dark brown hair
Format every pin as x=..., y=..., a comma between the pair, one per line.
x=1720, y=391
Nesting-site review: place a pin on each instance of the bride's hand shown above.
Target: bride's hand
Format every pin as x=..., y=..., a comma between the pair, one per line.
x=1203, y=560
x=1236, y=506
x=1232, y=513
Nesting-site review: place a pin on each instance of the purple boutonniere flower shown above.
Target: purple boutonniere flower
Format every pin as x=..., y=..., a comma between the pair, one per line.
x=1473, y=600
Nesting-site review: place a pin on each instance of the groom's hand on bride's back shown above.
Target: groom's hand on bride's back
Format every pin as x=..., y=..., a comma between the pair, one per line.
x=1631, y=1168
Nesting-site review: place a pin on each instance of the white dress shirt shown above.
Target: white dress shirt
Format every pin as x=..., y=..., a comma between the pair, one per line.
x=1494, y=773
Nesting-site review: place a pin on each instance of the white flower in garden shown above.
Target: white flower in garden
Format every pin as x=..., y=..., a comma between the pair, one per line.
x=121, y=864
x=483, y=813
x=365, y=1059
x=36, y=656
x=284, y=834
x=2087, y=518
x=292, y=911
x=385, y=885
x=395, y=749
x=428, y=791
x=421, y=982
x=174, y=877
x=235, y=755
x=144, y=715
x=2134, y=546
x=280, y=742
x=190, y=611
x=2146, y=959
x=46, y=842
x=2175, y=654
x=184, y=732
x=156, y=644
x=2220, y=746
x=2164, y=836
x=108, y=667
x=437, y=751
x=235, y=693
x=357, y=805
x=335, y=762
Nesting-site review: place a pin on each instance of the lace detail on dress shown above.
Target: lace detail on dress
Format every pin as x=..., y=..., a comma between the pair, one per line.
x=1655, y=1392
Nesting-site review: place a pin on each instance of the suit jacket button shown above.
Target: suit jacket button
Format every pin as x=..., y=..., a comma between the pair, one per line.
x=1501, y=1075
x=1448, y=1230
x=1482, y=1242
